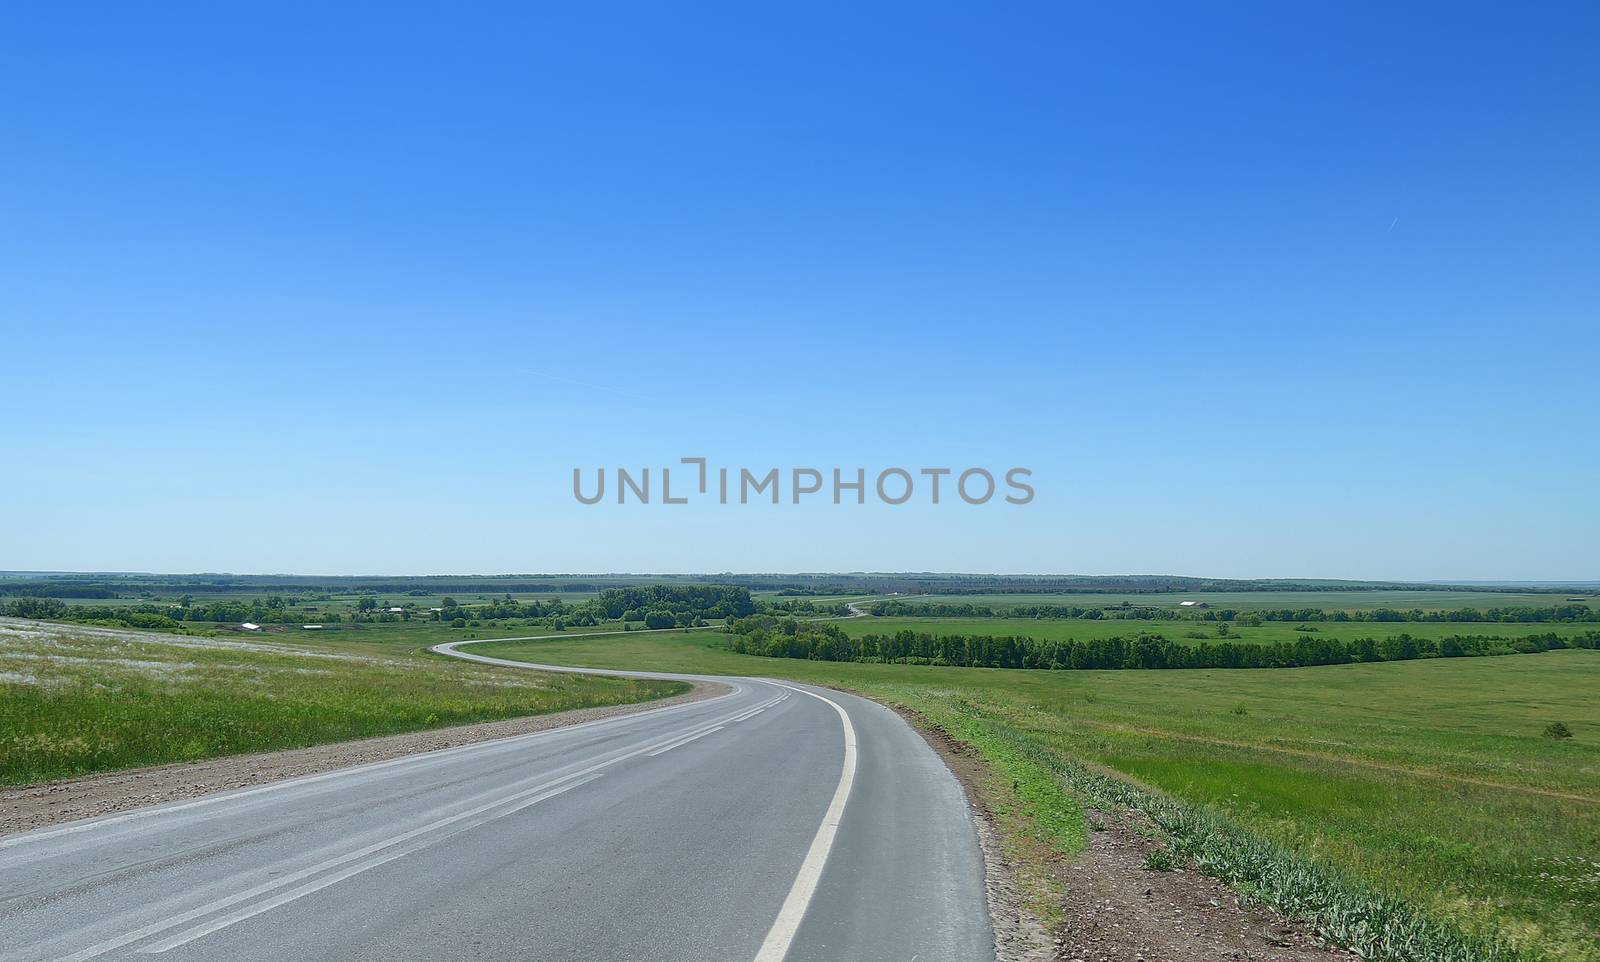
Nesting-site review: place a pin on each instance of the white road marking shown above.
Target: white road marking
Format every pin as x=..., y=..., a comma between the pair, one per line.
x=684, y=741
x=101, y=948
x=774, y=948
x=215, y=925
x=781, y=935
x=575, y=778
x=755, y=711
x=424, y=758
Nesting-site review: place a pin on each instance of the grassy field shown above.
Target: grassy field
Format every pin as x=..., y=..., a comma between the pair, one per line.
x=1428, y=780
x=76, y=700
x=1256, y=600
x=1180, y=630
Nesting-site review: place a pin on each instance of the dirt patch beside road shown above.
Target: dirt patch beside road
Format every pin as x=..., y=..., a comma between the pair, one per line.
x=1112, y=906
x=1119, y=909
x=27, y=807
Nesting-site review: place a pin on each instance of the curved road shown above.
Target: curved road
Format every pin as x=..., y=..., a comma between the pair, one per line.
x=774, y=822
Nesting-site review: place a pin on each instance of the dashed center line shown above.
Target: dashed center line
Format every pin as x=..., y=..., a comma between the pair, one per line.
x=684, y=741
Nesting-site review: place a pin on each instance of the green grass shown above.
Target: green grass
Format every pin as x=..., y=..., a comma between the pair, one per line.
x=1430, y=781
x=1179, y=630
x=76, y=700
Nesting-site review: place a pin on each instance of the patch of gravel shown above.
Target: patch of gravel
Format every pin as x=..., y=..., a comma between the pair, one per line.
x=1119, y=910
x=1019, y=935
x=27, y=807
x=1114, y=908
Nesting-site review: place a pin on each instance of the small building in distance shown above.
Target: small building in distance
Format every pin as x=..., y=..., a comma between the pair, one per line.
x=1193, y=604
x=312, y=627
x=250, y=626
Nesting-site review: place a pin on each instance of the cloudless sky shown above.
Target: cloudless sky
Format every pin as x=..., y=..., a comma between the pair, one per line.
x=1268, y=289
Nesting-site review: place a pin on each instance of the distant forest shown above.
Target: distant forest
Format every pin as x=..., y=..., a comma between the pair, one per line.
x=1516, y=614
x=652, y=606
x=819, y=641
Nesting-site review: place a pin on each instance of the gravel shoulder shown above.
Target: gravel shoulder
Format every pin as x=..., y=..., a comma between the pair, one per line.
x=27, y=807
x=1121, y=910
x=1113, y=907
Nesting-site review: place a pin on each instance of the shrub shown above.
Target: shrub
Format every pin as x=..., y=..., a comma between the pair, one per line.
x=1557, y=730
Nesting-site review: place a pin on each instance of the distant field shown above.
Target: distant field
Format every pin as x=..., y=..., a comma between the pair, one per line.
x=1431, y=779
x=1247, y=600
x=76, y=700
x=1085, y=630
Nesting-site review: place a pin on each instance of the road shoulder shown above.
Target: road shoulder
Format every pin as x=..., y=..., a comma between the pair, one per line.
x=1107, y=903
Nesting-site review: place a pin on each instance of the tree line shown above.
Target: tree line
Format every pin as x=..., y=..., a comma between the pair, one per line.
x=261, y=611
x=789, y=638
x=695, y=601
x=653, y=606
x=1512, y=614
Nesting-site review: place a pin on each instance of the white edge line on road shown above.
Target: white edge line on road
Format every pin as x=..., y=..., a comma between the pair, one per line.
x=779, y=938
x=782, y=934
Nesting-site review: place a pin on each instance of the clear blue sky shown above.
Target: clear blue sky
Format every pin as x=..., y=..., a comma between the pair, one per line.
x=1290, y=290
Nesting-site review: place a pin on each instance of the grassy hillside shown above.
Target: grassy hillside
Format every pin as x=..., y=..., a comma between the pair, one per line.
x=1429, y=780
x=76, y=700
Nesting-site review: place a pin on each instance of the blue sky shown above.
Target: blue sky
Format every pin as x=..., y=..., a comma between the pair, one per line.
x=1285, y=290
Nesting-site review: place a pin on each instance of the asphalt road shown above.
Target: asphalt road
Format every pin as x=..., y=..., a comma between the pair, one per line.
x=775, y=822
